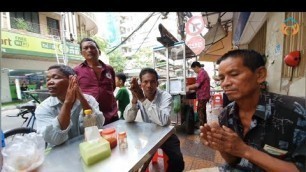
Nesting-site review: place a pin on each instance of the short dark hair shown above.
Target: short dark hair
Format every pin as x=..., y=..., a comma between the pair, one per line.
x=66, y=70
x=196, y=64
x=121, y=76
x=148, y=70
x=251, y=59
x=88, y=39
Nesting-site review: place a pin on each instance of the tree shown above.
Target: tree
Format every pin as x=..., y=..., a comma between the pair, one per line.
x=116, y=59
x=141, y=59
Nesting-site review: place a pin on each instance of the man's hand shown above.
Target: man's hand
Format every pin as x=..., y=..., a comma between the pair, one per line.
x=223, y=139
x=136, y=91
x=71, y=94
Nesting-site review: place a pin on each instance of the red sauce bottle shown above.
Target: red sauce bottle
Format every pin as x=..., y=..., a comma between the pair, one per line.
x=110, y=135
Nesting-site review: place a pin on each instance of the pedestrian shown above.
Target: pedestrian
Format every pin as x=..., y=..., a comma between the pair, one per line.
x=202, y=87
x=39, y=84
x=122, y=95
x=258, y=131
x=23, y=87
x=97, y=79
x=60, y=116
x=152, y=105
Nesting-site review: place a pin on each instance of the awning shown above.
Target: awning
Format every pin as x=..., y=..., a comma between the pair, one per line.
x=215, y=51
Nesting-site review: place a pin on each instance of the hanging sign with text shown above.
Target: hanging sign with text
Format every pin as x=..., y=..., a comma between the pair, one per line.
x=196, y=44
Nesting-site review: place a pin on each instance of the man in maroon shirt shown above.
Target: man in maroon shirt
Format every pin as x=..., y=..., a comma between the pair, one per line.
x=97, y=79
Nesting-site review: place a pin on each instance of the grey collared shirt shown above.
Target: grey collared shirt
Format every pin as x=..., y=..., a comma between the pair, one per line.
x=157, y=111
x=48, y=125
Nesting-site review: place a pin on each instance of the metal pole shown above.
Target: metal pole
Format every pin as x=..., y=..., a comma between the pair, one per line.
x=65, y=59
x=0, y=68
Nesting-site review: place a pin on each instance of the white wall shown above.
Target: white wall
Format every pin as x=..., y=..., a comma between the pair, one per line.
x=275, y=37
x=5, y=87
x=275, y=58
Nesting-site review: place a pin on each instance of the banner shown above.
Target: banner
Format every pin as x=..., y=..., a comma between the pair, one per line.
x=14, y=43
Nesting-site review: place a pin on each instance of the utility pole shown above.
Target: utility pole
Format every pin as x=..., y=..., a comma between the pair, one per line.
x=63, y=40
x=181, y=25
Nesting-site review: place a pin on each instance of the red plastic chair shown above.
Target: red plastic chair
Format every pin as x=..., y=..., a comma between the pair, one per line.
x=159, y=154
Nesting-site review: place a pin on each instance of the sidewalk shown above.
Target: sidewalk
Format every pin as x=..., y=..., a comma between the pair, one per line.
x=8, y=107
x=197, y=156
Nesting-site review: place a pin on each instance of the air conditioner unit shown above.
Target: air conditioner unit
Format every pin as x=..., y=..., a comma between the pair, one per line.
x=215, y=34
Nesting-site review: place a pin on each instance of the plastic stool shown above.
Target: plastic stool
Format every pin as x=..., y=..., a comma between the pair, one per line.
x=159, y=154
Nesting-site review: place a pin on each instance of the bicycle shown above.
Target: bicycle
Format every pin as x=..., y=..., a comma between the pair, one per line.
x=25, y=109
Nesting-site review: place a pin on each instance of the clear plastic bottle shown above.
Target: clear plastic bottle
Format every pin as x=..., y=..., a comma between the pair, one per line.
x=89, y=119
x=122, y=139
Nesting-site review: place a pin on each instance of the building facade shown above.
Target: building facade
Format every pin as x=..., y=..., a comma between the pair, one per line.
x=32, y=41
x=275, y=35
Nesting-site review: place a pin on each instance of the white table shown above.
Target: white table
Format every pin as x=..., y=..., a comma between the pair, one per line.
x=143, y=141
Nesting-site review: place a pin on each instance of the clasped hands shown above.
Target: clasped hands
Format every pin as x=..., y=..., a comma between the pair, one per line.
x=223, y=139
x=136, y=91
x=73, y=91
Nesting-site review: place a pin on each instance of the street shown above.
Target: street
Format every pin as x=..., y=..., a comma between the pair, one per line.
x=10, y=122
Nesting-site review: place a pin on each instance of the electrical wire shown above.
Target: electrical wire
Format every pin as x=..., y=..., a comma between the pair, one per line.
x=147, y=34
x=141, y=24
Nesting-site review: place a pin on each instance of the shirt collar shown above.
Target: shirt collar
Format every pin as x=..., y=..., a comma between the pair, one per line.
x=259, y=112
x=54, y=101
x=84, y=63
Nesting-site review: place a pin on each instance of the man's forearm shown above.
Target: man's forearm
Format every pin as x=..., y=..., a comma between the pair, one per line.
x=230, y=159
x=84, y=103
x=64, y=115
x=267, y=162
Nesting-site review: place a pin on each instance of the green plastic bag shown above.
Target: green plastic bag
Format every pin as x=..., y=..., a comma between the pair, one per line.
x=177, y=103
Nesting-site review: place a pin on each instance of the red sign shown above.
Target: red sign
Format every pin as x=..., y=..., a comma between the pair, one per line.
x=196, y=44
x=195, y=25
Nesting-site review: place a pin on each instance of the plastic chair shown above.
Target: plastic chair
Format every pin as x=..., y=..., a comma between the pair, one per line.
x=159, y=154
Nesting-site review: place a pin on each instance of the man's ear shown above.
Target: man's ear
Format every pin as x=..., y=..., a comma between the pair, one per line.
x=261, y=74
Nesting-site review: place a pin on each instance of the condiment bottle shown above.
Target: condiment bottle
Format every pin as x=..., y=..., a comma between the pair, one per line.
x=111, y=136
x=89, y=119
x=122, y=139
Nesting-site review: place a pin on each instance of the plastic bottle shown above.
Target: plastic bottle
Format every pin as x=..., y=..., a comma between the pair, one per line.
x=89, y=119
x=122, y=139
x=111, y=136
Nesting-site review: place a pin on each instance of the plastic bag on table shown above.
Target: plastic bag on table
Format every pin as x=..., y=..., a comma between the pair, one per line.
x=24, y=153
x=176, y=103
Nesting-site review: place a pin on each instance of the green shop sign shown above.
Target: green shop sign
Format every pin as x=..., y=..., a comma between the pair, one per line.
x=14, y=43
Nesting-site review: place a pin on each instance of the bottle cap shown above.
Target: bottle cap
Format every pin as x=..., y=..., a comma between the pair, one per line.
x=87, y=111
x=108, y=131
x=122, y=134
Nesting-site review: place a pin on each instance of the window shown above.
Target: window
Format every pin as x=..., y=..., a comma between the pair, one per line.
x=53, y=26
x=25, y=20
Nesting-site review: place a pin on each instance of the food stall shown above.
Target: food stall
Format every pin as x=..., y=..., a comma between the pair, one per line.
x=172, y=63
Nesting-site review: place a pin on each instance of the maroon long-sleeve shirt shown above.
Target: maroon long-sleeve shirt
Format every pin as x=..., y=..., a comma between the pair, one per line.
x=102, y=89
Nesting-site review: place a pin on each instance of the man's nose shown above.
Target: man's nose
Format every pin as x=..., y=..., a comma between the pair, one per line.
x=50, y=82
x=225, y=82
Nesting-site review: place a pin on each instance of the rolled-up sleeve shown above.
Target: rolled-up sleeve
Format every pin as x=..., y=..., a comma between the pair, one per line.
x=48, y=125
x=130, y=112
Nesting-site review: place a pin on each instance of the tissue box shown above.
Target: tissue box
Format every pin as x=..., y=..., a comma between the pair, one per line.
x=95, y=150
x=92, y=133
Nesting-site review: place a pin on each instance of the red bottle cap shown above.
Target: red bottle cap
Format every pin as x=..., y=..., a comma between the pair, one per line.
x=108, y=131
